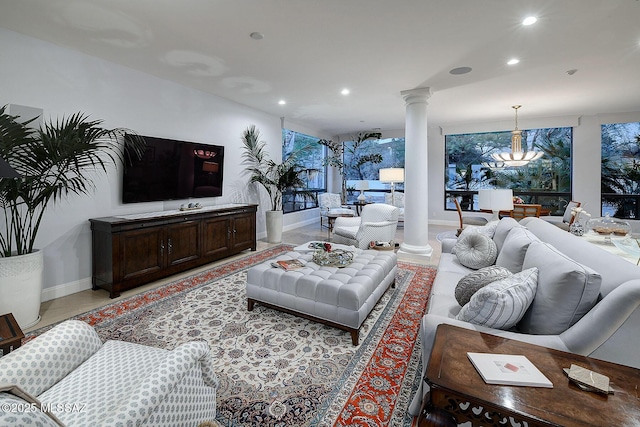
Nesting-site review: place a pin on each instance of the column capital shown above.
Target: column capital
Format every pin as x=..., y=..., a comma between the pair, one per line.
x=420, y=94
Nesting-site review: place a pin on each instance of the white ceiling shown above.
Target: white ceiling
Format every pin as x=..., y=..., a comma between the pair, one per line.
x=312, y=49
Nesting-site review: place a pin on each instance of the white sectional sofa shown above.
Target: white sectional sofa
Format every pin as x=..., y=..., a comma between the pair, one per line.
x=83, y=382
x=592, y=308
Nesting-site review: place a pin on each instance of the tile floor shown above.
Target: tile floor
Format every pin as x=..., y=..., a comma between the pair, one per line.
x=63, y=308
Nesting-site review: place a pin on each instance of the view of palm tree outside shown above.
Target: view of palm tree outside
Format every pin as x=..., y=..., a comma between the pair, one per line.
x=620, y=181
x=309, y=156
x=469, y=167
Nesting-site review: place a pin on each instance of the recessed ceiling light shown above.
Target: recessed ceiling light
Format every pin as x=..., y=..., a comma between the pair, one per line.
x=282, y=102
x=529, y=20
x=460, y=70
x=256, y=35
x=345, y=91
x=513, y=61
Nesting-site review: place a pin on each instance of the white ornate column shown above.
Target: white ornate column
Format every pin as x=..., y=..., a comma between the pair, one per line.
x=415, y=246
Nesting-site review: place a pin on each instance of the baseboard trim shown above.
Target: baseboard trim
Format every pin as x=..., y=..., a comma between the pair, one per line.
x=65, y=289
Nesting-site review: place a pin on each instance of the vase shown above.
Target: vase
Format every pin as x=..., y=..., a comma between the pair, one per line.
x=21, y=287
x=274, y=226
x=577, y=229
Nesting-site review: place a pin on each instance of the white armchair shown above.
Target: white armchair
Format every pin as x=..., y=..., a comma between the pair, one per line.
x=398, y=201
x=377, y=221
x=115, y=383
x=330, y=203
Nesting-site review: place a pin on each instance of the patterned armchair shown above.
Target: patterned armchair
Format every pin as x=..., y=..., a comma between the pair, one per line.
x=377, y=221
x=330, y=204
x=111, y=384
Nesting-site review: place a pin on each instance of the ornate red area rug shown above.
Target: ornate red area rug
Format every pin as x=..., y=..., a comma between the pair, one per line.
x=276, y=369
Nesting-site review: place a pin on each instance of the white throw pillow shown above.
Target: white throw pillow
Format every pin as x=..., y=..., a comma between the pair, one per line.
x=501, y=304
x=567, y=290
x=472, y=282
x=475, y=250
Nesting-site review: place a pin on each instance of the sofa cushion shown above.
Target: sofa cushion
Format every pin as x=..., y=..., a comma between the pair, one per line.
x=469, y=284
x=502, y=230
x=488, y=229
x=475, y=250
x=515, y=246
x=502, y=304
x=567, y=290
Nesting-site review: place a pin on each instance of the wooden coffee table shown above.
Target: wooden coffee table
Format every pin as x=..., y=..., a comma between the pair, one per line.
x=459, y=394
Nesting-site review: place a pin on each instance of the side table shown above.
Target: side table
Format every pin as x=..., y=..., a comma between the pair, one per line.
x=10, y=333
x=459, y=394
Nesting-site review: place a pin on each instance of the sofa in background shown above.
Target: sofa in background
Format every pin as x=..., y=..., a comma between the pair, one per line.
x=597, y=316
x=88, y=383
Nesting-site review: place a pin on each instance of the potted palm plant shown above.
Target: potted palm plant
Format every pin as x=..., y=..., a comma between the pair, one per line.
x=58, y=159
x=275, y=178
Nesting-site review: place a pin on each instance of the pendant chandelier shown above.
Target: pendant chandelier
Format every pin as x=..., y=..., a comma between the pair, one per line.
x=517, y=157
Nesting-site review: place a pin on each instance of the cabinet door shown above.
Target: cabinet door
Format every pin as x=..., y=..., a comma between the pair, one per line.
x=243, y=232
x=183, y=242
x=142, y=252
x=216, y=234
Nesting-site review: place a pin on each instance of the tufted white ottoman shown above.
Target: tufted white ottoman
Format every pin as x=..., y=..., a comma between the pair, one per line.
x=338, y=297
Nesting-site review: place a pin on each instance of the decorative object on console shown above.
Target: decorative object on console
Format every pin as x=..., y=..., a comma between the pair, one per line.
x=495, y=200
x=517, y=157
x=58, y=159
x=392, y=176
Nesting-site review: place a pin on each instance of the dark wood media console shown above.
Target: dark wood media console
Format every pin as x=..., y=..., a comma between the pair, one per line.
x=132, y=250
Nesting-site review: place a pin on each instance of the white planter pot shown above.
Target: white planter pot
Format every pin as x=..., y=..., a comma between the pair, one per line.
x=274, y=226
x=21, y=287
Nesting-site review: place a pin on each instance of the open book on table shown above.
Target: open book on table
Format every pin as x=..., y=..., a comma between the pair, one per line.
x=508, y=369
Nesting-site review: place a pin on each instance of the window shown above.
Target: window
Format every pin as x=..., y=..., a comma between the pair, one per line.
x=362, y=165
x=470, y=167
x=309, y=155
x=620, y=183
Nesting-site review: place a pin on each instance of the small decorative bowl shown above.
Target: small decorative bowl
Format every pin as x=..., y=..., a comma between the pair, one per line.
x=334, y=258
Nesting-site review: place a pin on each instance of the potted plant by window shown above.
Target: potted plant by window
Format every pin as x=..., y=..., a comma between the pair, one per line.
x=336, y=156
x=275, y=178
x=60, y=158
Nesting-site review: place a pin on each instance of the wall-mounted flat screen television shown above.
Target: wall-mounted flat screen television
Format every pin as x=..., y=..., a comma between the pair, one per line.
x=173, y=170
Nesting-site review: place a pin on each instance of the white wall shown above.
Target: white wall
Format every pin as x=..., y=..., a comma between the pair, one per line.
x=61, y=82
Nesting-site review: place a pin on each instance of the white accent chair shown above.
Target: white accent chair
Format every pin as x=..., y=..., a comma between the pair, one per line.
x=111, y=384
x=330, y=204
x=566, y=219
x=378, y=221
x=397, y=201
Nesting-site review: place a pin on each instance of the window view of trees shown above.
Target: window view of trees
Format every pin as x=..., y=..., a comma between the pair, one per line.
x=620, y=182
x=470, y=167
x=363, y=162
x=310, y=157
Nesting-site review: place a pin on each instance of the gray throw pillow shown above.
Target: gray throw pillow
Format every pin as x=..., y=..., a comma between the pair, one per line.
x=514, y=249
x=469, y=284
x=502, y=230
x=567, y=290
x=501, y=304
x=475, y=250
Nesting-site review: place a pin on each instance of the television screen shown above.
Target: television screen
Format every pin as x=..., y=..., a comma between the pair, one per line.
x=173, y=170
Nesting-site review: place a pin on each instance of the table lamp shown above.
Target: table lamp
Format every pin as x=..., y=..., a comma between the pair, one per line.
x=495, y=200
x=392, y=175
x=362, y=186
